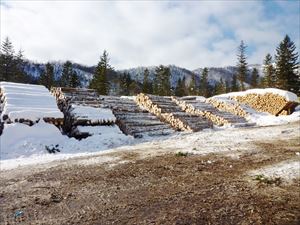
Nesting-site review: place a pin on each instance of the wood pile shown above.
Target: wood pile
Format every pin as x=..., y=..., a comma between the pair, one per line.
x=27, y=104
x=168, y=111
x=133, y=120
x=130, y=118
x=268, y=102
x=228, y=105
x=205, y=109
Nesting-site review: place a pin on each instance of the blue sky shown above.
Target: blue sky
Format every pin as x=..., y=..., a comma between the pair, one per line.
x=190, y=34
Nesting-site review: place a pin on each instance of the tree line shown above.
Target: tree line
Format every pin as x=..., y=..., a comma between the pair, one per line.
x=282, y=72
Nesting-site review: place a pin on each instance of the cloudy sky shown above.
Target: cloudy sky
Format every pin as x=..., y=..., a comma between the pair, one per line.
x=189, y=34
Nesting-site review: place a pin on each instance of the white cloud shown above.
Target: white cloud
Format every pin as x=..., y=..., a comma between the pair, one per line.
x=188, y=34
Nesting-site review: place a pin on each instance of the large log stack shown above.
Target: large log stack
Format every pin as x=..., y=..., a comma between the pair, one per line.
x=207, y=110
x=168, y=111
x=83, y=111
x=84, y=107
x=134, y=120
x=228, y=105
x=268, y=102
x=28, y=104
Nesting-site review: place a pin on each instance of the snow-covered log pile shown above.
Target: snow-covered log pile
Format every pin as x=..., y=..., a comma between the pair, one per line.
x=271, y=100
x=82, y=107
x=134, y=120
x=202, y=108
x=27, y=103
x=168, y=111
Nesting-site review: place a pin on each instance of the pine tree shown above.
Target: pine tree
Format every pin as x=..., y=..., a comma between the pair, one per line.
x=204, y=85
x=242, y=65
x=180, y=88
x=254, y=78
x=19, y=71
x=269, y=72
x=99, y=81
x=66, y=76
x=147, y=86
x=227, y=87
x=162, y=80
x=7, y=61
x=47, y=77
x=220, y=87
x=234, y=84
x=193, y=90
x=74, y=81
x=286, y=65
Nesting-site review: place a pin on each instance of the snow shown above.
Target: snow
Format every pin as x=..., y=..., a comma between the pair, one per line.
x=24, y=145
x=92, y=113
x=27, y=101
x=286, y=170
x=289, y=96
x=105, y=130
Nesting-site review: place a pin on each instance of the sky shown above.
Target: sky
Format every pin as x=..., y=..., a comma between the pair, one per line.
x=188, y=34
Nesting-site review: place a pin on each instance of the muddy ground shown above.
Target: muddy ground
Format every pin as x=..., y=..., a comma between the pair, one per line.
x=164, y=189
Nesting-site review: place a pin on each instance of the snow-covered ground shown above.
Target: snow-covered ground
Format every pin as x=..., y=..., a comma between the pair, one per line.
x=27, y=101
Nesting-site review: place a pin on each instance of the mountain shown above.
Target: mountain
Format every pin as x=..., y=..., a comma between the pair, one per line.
x=85, y=73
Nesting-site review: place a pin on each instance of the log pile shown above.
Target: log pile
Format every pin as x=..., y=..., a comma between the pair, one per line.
x=268, y=102
x=130, y=118
x=133, y=120
x=205, y=109
x=228, y=105
x=27, y=104
x=168, y=111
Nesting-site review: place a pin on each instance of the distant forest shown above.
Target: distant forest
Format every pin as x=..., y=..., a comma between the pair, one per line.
x=282, y=72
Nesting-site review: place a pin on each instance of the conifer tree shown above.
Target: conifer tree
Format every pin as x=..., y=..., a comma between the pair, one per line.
x=19, y=71
x=234, y=84
x=180, y=87
x=227, y=87
x=220, y=87
x=74, y=81
x=254, y=78
x=269, y=72
x=204, y=86
x=163, y=80
x=7, y=61
x=286, y=65
x=47, y=77
x=147, y=87
x=242, y=65
x=192, y=86
x=99, y=81
x=66, y=76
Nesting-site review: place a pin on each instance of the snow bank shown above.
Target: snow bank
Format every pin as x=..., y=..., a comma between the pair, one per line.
x=27, y=101
x=22, y=145
x=289, y=96
x=92, y=113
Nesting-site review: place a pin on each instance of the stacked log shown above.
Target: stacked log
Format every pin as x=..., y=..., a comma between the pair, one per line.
x=168, y=111
x=268, y=102
x=202, y=108
x=228, y=105
x=131, y=119
x=27, y=104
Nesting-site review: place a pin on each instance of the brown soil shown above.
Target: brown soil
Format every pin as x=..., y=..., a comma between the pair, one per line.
x=166, y=189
